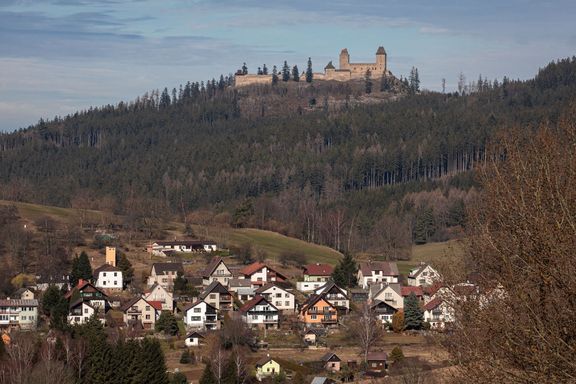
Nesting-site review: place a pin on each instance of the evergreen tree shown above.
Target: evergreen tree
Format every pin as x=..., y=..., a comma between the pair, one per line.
x=167, y=323
x=309, y=73
x=396, y=355
x=230, y=375
x=207, y=375
x=274, y=75
x=84, y=267
x=74, y=273
x=126, y=266
x=244, y=69
x=264, y=69
x=385, y=83
x=295, y=73
x=368, y=81
x=413, y=313
x=180, y=283
x=153, y=368
x=260, y=72
x=185, y=357
x=425, y=225
x=164, y=99
x=414, y=84
x=344, y=274
x=285, y=71
x=178, y=378
x=456, y=213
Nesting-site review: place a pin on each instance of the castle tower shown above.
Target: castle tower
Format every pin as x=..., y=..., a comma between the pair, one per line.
x=381, y=60
x=111, y=256
x=344, y=59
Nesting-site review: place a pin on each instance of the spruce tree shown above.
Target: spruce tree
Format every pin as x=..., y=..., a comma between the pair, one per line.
x=274, y=75
x=185, y=357
x=153, y=364
x=344, y=274
x=244, y=69
x=74, y=273
x=84, y=267
x=126, y=266
x=425, y=225
x=413, y=313
x=368, y=81
x=259, y=71
x=295, y=73
x=167, y=323
x=285, y=71
x=178, y=378
x=264, y=69
x=207, y=375
x=396, y=355
x=309, y=73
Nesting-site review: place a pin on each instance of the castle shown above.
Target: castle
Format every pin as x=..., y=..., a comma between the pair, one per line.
x=346, y=71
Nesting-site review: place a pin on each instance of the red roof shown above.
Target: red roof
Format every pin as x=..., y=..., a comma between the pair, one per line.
x=156, y=304
x=432, y=289
x=252, y=268
x=433, y=304
x=318, y=269
x=406, y=291
x=252, y=303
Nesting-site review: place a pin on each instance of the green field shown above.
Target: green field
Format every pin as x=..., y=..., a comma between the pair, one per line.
x=32, y=212
x=430, y=253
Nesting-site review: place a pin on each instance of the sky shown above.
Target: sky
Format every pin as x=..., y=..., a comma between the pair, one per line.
x=61, y=56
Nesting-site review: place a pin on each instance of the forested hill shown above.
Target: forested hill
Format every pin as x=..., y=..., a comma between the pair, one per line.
x=314, y=160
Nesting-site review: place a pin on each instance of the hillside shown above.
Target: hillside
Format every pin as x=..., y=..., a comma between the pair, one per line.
x=346, y=176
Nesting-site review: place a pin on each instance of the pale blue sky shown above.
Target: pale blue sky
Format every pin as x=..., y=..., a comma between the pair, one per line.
x=59, y=56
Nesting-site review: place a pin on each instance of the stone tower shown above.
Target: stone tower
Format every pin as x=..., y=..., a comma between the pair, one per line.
x=381, y=60
x=111, y=256
x=344, y=59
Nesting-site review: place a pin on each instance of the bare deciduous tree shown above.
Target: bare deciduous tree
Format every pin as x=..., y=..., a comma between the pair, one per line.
x=366, y=329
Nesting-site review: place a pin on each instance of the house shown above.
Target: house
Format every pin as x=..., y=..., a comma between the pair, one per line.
x=216, y=271
x=438, y=313
x=45, y=281
x=318, y=311
x=358, y=294
x=377, y=362
x=158, y=293
x=424, y=275
x=201, y=315
x=374, y=272
x=337, y=296
x=260, y=313
x=109, y=277
x=383, y=310
x=218, y=296
x=331, y=362
x=389, y=293
x=19, y=313
x=282, y=299
x=260, y=274
x=24, y=294
x=80, y=311
x=166, y=248
x=85, y=300
x=140, y=310
x=164, y=274
x=310, y=336
x=193, y=339
x=317, y=272
x=267, y=367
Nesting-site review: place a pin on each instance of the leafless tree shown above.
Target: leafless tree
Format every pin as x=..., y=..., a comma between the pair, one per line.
x=21, y=352
x=366, y=329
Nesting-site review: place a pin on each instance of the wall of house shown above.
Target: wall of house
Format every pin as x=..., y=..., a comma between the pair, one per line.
x=110, y=280
x=315, y=317
x=308, y=286
x=280, y=298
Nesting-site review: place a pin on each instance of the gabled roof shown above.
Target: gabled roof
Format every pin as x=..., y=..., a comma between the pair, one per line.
x=329, y=286
x=239, y=283
x=321, y=380
x=417, y=271
x=185, y=242
x=132, y=301
x=264, y=360
x=388, y=268
x=377, y=356
x=157, y=305
x=254, y=302
x=195, y=334
x=379, y=303
x=433, y=304
x=330, y=356
x=214, y=263
x=194, y=304
x=266, y=287
x=318, y=269
x=329, y=66
x=105, y=268
x=162, y=268
x=406, y=291
x=252, y=268
x=376, y=289
x=313, y=299
x=214, y=287
x=83, y=285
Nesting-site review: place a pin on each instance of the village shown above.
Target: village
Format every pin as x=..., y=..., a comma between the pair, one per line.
x=297, y=309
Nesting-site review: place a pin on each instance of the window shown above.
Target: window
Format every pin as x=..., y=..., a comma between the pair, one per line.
x=254, y=317
x=287, y=303
x=197, y=310
x=147, y=307
x=147, y=317
x=115, y=274
x=313, y=317
x=104, y=273
x=195, y=318
x=104, y=282
x=286, y=295
x=213, y=296
x=23, y=317
x=85, y=310
x=115, y=282
x=278, y=303
x=278, y=295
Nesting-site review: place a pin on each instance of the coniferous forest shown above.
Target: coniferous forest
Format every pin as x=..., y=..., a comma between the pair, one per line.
x=302, y=159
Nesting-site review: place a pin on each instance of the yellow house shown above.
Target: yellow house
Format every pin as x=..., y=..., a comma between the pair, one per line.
x=267, y=367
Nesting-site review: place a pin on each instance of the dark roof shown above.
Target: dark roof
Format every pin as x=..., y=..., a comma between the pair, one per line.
x=330, y=356
x=263, y=361
x=381, y=51
x=329, y=66
x=345, y=50
x=195, y=334
x=192, y=305
x=377, y=356
x=239, y=282
x=379, y=303
x=254, y=302
x=214, y=263
x=330, y=285
x=214, y=287
x=388, y=268
x=318, y=269
x=105, y=268
x=162, y=268
x=194, y=281
x=185, y=242
x=313, y=299
x=130, y=303
x=433, y=304
x=84, y=285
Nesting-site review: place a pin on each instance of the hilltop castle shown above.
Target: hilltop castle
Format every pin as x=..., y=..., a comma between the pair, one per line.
x=346, y=71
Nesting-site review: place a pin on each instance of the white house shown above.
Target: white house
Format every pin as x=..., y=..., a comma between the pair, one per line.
x=19, y=313
x=201, y=315
x=438, y=313
x=375, y=272
x=383, y=311
x=391, y=294
x=193, y=339
x=165, y=248
x=282, y=299
x=216, y=271
x=218, y=296
x=259, y=312
x=164, y=274
x=81, y=311
x=260, y=274
x=109, y=277
x=161, y=294
x=424, y=275
x=335, y=295
x=314, y=276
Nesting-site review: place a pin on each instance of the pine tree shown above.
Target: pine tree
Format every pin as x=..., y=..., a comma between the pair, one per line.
x=180, y=283
x=344, y=274
x=285, y=71
x=185, y=357
x=153, y=368
x=126, y=267
x=413, y=313
x=414, y=84
x=74, y=273
x=178, y=378
x=264, y=69
x=230, y=375
x=244, y=69
x=167, y=323
x=207, y=375
x=84, y=267
x=164, y=99
x=368, y=81
x=309, y=73
x=259, y=71
x=396, y=355
x=295, y=73
x=274, y=75
x=425, y=225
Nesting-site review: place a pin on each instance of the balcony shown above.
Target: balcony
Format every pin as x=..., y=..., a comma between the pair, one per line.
x=270, y=321
x=329, y=320
x=225, y=298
